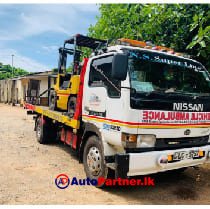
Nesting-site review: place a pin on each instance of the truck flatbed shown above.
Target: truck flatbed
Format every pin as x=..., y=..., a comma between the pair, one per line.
x=54, y=115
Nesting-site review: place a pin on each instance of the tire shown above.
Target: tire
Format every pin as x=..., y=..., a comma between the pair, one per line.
x=45, y=132
x=52, y=101
x=71, y=106
x=93, y=159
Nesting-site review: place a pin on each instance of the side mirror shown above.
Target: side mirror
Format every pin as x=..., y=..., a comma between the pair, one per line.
x=120, y=66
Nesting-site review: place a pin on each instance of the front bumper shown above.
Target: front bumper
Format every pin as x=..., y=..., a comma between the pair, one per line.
x=134, y=164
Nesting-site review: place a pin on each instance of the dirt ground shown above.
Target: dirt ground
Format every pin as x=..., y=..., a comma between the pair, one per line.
x=28, y=171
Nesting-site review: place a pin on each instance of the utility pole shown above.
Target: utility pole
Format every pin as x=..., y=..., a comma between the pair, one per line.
x=13, y=84
x=12, y=66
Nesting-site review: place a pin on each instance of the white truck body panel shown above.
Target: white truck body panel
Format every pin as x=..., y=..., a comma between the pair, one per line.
x=148, y=162
x=120, y=117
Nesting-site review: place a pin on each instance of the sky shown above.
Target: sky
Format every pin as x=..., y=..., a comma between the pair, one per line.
x=34, y=32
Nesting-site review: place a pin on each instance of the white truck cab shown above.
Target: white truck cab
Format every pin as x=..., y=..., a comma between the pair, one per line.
x=149, y=110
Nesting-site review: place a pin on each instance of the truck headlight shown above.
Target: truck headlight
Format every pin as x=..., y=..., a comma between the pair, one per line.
x=134, y=140
x=146, y=140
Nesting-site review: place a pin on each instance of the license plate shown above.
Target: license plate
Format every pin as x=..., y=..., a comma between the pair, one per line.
x=185, y=155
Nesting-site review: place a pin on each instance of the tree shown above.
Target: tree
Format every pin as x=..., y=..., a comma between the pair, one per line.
x=185, y=28
x=6, y=71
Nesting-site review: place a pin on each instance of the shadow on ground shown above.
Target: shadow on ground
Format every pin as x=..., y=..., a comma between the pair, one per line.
x=170, y=187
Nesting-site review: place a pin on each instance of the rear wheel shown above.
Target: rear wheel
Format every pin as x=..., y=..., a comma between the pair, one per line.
x=93, y=159
x=45, y=131
x=72, y=106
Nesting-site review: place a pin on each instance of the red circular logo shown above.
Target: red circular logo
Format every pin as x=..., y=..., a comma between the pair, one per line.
x=62, y=181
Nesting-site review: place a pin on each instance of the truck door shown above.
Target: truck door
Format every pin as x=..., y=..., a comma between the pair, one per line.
x=102, y=100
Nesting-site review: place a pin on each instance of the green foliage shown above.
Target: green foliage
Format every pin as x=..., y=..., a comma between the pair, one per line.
x=55, y=70
x=6, y=71
x=70, y=68
x=200, y=42
x=183, y=27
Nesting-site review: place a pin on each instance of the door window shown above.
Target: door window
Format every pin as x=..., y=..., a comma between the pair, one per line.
x=100, y=75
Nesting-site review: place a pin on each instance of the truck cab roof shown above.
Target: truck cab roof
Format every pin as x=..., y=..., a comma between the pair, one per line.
x=120, y=48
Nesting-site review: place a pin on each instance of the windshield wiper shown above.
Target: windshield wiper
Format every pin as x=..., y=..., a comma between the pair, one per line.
x=151, y=93
x=196, y=95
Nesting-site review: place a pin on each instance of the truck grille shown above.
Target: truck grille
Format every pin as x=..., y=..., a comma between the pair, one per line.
x=174, y=143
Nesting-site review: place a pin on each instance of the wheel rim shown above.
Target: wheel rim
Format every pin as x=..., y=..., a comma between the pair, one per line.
x=38, y=131
x=94, y=161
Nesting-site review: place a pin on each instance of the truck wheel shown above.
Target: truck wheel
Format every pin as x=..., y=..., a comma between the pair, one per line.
x=41, y=131
x=93, y=159
x=45, y=132
x=72, y=106
x=52, y=100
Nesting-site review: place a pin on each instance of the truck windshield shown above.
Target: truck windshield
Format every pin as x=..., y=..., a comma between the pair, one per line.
x=157, y=72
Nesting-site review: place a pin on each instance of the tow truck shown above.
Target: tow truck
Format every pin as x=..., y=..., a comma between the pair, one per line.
x=139, y=109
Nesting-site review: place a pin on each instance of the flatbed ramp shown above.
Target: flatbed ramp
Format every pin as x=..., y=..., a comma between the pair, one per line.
x=54, y=115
